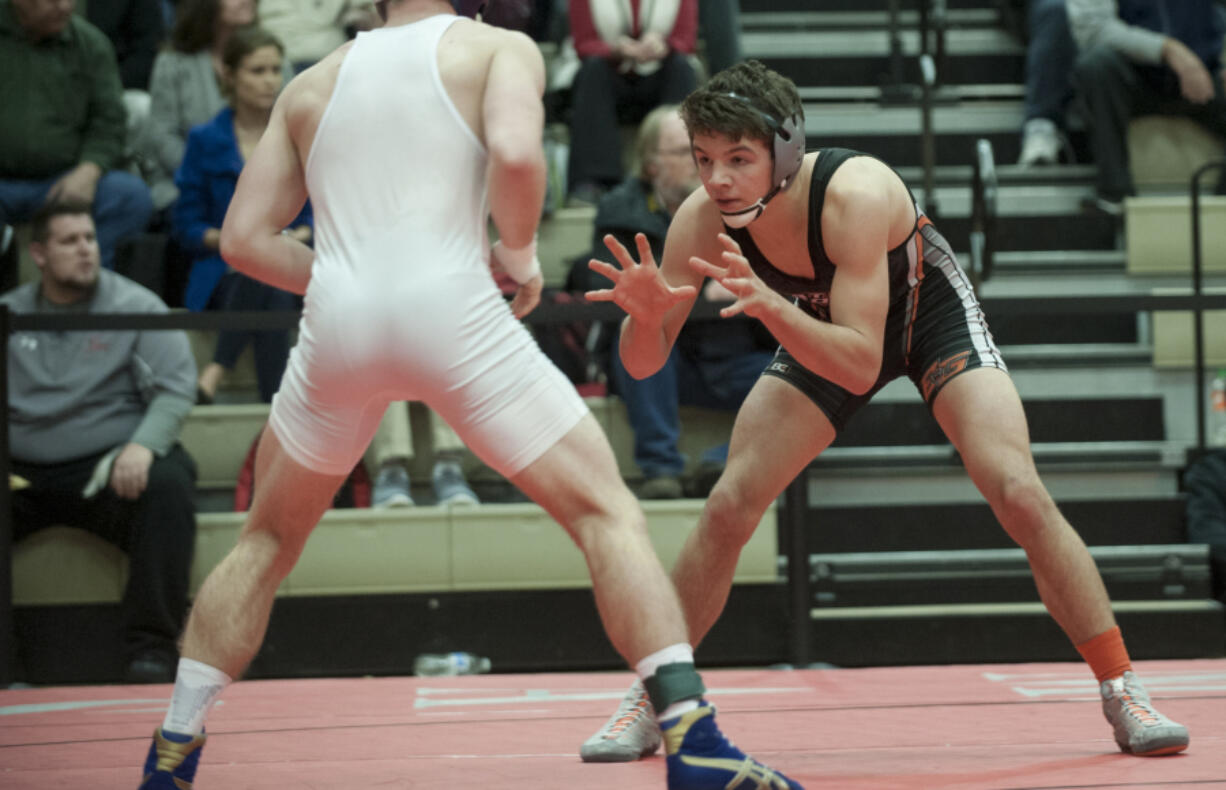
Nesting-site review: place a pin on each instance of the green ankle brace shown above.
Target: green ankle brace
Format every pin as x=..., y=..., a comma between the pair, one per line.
x=673, y=683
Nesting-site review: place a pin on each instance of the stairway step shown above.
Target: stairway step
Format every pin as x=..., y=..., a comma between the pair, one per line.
x=1166, y=572
x=1012, y=632
x=1063, y=420
x=861, y=18
x=1104, y=520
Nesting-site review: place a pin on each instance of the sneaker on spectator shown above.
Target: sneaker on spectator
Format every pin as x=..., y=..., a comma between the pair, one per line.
x=1103, y=206
x=391, y=487
x=661, y=487
x=1040, y=143
x=584, y=195
x=450, y=487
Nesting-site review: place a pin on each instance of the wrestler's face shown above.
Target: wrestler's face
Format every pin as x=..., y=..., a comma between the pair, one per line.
x=257, y=79
x=68, y=258
x=735, y=173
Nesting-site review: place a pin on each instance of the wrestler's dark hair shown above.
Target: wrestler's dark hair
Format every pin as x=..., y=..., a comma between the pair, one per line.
x=40, y=223
x=712, y=110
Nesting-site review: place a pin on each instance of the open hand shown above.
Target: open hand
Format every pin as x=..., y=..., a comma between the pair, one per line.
x=638, y=287
x=752, y=296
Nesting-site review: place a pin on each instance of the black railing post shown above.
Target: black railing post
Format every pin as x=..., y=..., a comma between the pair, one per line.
x=1198, y=330
x=8, y=630
x=795, y=503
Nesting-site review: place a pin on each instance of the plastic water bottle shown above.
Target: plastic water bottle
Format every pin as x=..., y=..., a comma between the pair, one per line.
x=1216, y=428
x=449, y=664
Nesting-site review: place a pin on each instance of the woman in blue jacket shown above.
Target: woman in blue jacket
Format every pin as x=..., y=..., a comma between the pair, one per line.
x=216, y=151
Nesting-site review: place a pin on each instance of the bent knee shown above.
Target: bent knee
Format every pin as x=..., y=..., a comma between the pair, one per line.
x=1023, y=506
x=731, y=516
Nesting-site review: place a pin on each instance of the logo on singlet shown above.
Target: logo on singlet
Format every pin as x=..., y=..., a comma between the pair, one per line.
x=779, y=367
x=816, y=303
x=942, y=371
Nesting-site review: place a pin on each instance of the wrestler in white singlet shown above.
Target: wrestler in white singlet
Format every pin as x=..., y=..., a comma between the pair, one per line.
x=401, y=304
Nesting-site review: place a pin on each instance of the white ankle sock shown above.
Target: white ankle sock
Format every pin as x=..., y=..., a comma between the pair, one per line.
x=680, y=653
x=196, y=686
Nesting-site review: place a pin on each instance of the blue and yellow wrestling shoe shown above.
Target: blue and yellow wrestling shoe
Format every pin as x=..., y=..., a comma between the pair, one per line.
x=701, y=758
x=172, y=760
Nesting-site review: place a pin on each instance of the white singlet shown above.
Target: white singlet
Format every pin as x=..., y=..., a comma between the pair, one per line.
x=401, y=304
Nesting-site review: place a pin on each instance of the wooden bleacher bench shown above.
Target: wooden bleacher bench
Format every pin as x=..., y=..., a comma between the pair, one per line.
x=356, y=551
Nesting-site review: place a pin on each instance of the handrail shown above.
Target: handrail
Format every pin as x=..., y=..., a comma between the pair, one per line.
x=1198, y=330
x=928, y=142
x=985, y=190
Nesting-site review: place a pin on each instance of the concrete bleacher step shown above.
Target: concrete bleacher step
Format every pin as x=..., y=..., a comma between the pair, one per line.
x=411, y=568
x=792, y=6
x=944, y=526
x=863, y=16
x=1004, y=632
x=1152, y=572
x=1124, y=417
x=820, y=57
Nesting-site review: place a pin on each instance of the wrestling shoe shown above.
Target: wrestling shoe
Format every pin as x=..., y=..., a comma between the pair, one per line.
x=701, y=758
x=629, y=734
x=1139, y=729
x=171, y=764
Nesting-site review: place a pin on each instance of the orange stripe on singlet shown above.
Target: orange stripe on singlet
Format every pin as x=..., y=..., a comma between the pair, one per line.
x=920, y=222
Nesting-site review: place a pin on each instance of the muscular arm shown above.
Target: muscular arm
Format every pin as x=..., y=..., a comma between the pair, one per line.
x=271, y=192
x=855, y=232
x=513, y=120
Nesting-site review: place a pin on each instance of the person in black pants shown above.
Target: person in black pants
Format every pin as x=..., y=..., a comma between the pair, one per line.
x=94, y=422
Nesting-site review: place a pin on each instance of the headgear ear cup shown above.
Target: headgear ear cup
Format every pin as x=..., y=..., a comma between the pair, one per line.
x=789, y=148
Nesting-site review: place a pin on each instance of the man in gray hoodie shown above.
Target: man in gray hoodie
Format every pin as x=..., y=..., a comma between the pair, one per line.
x=94, y=421
x=1140, y=57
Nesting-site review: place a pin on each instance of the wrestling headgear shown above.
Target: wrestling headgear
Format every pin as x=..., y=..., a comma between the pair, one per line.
x=788, y=153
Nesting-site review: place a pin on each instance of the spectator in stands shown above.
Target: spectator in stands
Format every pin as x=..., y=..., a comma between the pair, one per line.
x=1205, y=482
x=186, y=88
x=135, y=30
x=62, y=136
x=714, y=363
x=216, y=151
x=391, y=450
x=312, y=30
x=97, y=439
x=629, y=65
x=1143, y=57
x=1050, y=53
x=719, y=25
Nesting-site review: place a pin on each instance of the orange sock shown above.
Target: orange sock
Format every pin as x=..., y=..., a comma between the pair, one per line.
x=1106, y=654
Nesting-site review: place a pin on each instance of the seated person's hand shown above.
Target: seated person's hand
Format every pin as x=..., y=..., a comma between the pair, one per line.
x=78, y=184
x=1195, y=82
x=130, y=472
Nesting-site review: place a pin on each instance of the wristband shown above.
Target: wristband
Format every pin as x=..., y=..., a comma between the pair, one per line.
x=520, y=263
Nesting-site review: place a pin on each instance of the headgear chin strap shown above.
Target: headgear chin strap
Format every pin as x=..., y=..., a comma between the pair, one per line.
x=787, y=153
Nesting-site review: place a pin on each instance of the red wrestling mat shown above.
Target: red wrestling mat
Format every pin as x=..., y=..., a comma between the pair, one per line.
x=1026, y=726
